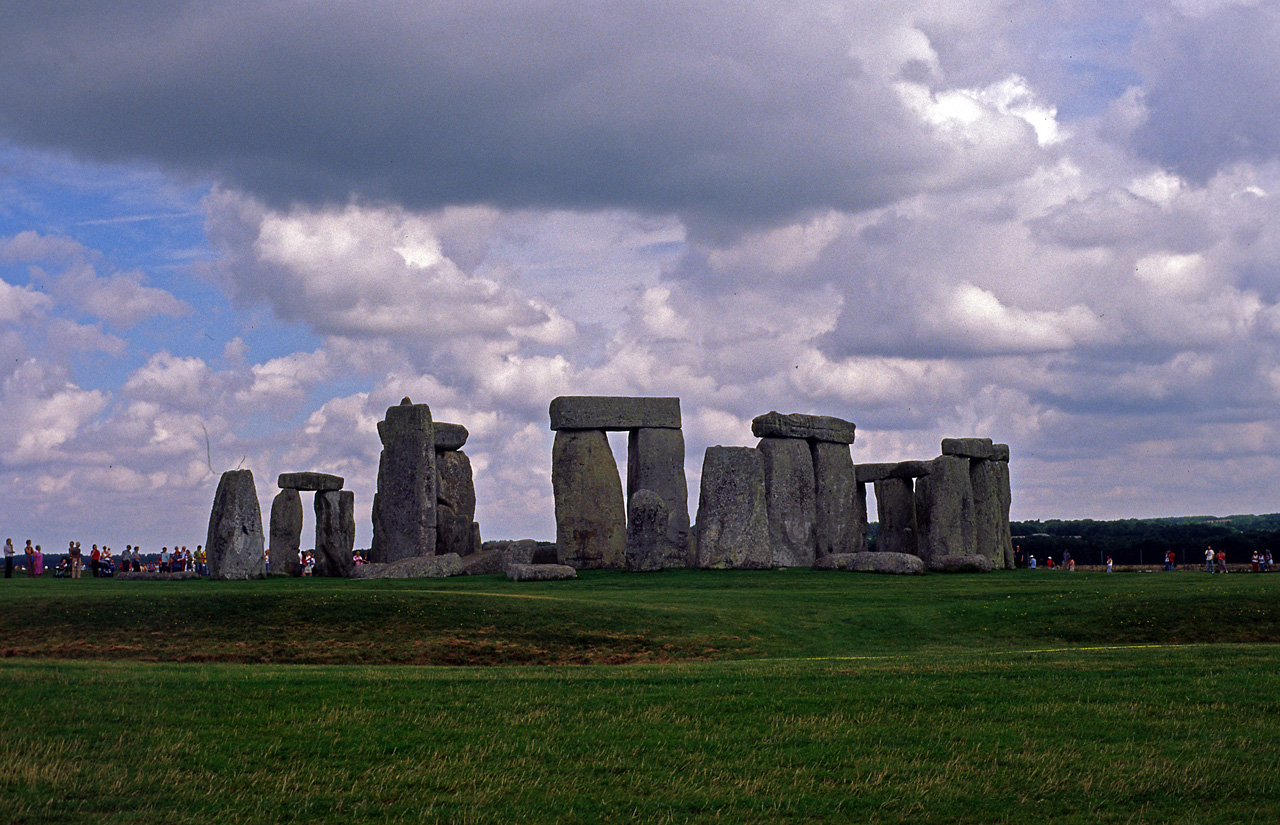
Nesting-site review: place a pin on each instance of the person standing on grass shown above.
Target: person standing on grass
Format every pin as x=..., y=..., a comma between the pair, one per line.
x=1253, y=561
x=73, y=556
x=95, y=561
x=31, y=559
x=1108, y=564
x=38, y=561
x=1222, y=561
x=1031, y=562
x=8, y=558
x=164, y=559
x=1208, y=560
x=1266, y=561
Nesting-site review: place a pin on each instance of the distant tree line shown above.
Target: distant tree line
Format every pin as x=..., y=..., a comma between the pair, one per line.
x=1145, y=541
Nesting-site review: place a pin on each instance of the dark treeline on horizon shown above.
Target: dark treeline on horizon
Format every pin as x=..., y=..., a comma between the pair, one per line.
x=1145, y=541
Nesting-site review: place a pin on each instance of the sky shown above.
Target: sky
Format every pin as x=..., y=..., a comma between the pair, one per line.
x=232, y=234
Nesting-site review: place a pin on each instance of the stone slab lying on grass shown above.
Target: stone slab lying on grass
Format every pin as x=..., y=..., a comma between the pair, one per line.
x=418, y=567
x=902, y=564
x=962, y=563
x=486, y=561
x=156, y=577
x=540, y=572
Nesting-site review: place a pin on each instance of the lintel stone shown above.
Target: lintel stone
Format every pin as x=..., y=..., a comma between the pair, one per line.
x=774, y=424
x=980, y=448
x=449, y=436
x=868, y=473
x=318, y=482
x=614, y=412
x=999, y=452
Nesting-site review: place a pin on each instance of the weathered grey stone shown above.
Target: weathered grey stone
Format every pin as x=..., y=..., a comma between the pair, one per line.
x=837, y=527
x=404, y=508
x=235, y=542
x=944, y=510
x=456, y=485
x=789, y=498
x=648, y=547
x=286, y=533
x=591, y=519
x=524, y=551
x=973, y=563
x=655, y=462
x=860, y=516
x=540, y=572
x=309, y=481
x=483, y=562
x=896, y=510
x=902, y=564
x=418, y=567
x=449, y=436
x=453, y=532
x=733, y=523
x=476, y=543
x=988, y=525
x=1006, y=498
x=143, y=576
x=797, y=425
x=999, y=452
x=869, y=473
x=609, y=412
x=968, y=447
x=335, y=533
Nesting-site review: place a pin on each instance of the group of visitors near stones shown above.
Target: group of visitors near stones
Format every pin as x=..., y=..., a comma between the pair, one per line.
x=796, y=499
x=103, y=562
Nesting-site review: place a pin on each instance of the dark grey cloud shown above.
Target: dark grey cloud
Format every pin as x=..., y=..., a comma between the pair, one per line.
x=721, y=111
x=1210, y=89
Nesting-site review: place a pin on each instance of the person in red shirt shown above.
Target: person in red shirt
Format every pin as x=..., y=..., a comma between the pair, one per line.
x=95, y=558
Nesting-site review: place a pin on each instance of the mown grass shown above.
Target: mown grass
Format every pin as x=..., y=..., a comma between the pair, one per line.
x=779, y=697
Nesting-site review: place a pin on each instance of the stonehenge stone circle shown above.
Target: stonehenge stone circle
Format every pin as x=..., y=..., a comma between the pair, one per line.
x=315, y=482
x=613, y=413
x=945, y=510
x=404, y=507
x=733, y=524
x=335, y=532
x=591, y=519
x=234, y=542
x=286, y=533
x=789, y=491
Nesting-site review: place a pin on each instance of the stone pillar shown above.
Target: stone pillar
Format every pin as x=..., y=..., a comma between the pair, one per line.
x=335, y=532
x=944, y=509
x=838, y=527
x=733, y=522
x=896, y=509
x=404, y=510
x=648, y=520
x=789, y=495
x=286, y=533
x=985, y=477
x=590, y=517
x=655, y=462
x=1005, y=494
x=860, y=517
x=455, y=502
x=234, y=541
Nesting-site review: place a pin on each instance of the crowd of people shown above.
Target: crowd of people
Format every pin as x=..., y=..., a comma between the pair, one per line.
x=103, y=561
x=1214, y=561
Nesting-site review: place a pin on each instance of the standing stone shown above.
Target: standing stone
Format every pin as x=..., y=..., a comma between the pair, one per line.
x=335, y=533
x=235, y=542
x=896, y=509
x=456, y=486
x=1006, y=499
x=944, y=509
x=404, y=511
x=860, y=516
x=648, y=548
x=453, y=532
x=835, y=506
x=733, y=521
x=655, y=462
x=286, y=533
x=789, y=495
x=988, y=541
x=591, y=520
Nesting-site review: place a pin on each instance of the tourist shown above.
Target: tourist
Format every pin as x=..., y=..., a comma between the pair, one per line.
x=1108, y=564
x=31, y=559
x=187, y=563
x=1031, y=562
x=1222, y=561
x=1066, y=559
x=108, y=562
x=1071, y=563
x=95, y=561
x=73, y=554
x=1266, y=561
x=38, y=561
x=1168, y=560
x=8, y=558
x=202, y=561
x=1048, y=562
x=1254, y=561
x=1208, y=560
x=164, y=559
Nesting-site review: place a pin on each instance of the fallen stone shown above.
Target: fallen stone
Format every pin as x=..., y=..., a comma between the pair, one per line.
x=789, y=492
x=896, y=509
x=591, y=519
x=797, y=425
x=335, y=533
x=980, y=448
x=309, y=481
x=902, y=564
x=140, y=576
x=483, y=562
x=870, y=473
x=235, y=542
x=733, y=523
x=286, y=533
x=526, y=551
x=419, y=567
x=540, y=572
x=972, y=563
x=449, y=436
x=944, y=510
x=655, y=462
x=836, y=525
x=648, y=547
x=609, y=412
x=404, y=508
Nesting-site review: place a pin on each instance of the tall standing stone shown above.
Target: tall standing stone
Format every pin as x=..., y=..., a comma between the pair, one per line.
x=1006, y=499
x=944, y=509
x=837, y=525
x=404, y=509
x=655, y=462
x=286, y=533
x=235, y=542
x=896, y=510
x=789, y=495
x=733, y=521
x=860, y=514
x=335, y=533
x=590, y=516
x=987, y=510
x=648, y=547
x=455, y=501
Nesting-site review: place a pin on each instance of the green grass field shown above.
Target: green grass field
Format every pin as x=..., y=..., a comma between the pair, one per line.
x=771, y=696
